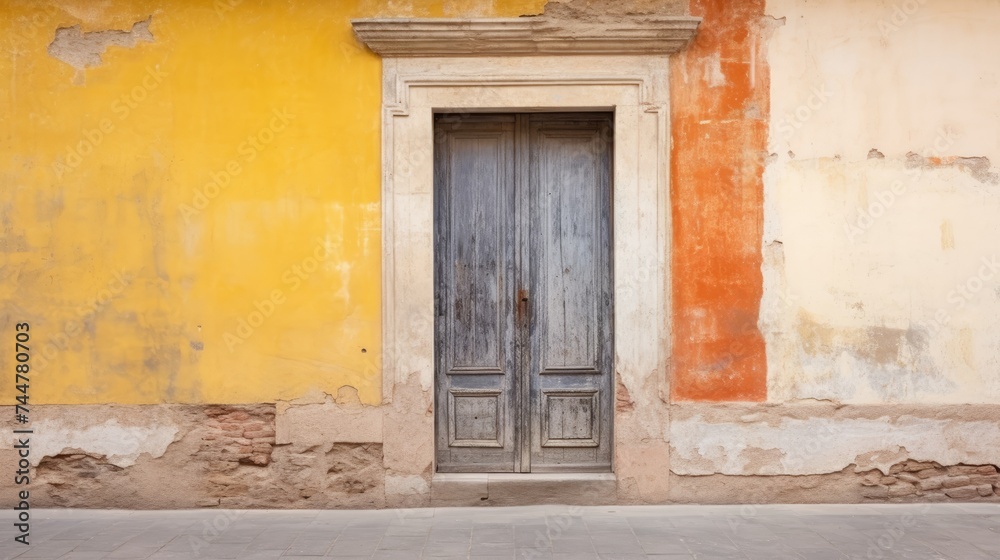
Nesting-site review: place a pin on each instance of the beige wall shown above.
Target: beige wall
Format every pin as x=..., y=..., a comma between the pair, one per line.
x=865, y=254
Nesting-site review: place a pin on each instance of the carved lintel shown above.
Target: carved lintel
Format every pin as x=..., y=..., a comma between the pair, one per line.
x=413, y=37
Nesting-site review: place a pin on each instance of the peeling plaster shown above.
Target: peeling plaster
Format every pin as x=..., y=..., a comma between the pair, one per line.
x=120, y=445
x=80, y=50
x=804, y=446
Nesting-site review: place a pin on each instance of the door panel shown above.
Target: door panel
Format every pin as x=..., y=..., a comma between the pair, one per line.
x=523, y=292
x=474, y=196
x=570, y=366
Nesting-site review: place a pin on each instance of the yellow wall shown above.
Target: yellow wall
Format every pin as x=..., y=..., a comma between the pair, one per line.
x=141, y=224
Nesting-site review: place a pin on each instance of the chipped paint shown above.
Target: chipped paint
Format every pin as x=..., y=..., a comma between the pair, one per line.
x=819, y=445
x=120, y=445
x=719, y=108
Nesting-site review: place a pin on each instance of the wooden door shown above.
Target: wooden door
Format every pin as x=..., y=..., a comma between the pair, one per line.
x=523, y=292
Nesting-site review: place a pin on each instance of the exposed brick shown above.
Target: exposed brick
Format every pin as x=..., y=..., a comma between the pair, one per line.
x=227, y=444
x=908, y=477
x=980, y=479
x=263, y=433
x=261, y=459
x=935, y=483
x=902, y=489
x=875, y=492
x=986, y=469
x=914, y=466
x=985, y=490
x=927, y=473
x=955, y=481
x=963, y=493
x=962, y=469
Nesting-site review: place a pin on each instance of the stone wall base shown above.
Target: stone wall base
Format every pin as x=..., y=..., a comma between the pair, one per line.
x=330, y=455
x=908, y=482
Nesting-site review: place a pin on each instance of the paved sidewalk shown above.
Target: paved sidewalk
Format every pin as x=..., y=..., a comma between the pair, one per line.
x=774, y=532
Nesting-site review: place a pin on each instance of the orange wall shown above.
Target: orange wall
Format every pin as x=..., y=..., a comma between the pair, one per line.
x=719, y=91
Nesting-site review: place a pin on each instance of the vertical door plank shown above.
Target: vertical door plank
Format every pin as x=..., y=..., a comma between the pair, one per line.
x=570, y=367
x=474, y=262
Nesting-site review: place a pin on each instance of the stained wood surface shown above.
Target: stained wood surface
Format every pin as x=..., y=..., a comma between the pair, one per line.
x=523, y=291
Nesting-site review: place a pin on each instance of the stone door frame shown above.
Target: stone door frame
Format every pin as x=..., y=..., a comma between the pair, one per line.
x=635, y=88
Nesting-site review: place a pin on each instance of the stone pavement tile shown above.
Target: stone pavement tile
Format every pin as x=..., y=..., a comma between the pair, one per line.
x=583, y=546
x=241, y=536
x=620, y=545
x=446, y=550
x=401, y=543
x=945, y=532
x=149, y=537
x=408, y=530
x=776, y=553
x=531, y=535
x=491, y=549
x=493, y=535
x=342, y=548
x=309, y=545
x=173, y=555
x=575, y=556
x=72, y=530
x=272, y=540
x=102, y=542
x=314, y=557
x=662, y=544
x=958, y=550
x=50, y=549
x=714, y=551
x=362, y=533
x=396, y=554
x=531, y=554
x=820, y=553
x=221, y=551
x=94, y=555
x=260, y=555
x=131, y=551
x=449, y=536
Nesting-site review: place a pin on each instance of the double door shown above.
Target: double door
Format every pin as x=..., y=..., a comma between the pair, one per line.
x=523, y=292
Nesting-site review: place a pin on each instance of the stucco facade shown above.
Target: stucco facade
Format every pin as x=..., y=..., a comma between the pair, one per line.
x=217, y=221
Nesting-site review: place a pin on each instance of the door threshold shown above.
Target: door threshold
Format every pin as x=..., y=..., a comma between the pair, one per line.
x=521, y=489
